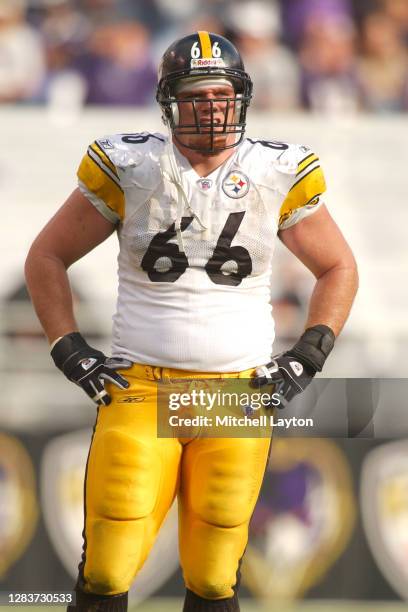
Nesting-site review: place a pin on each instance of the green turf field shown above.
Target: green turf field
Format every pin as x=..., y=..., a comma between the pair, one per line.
x=173, y=605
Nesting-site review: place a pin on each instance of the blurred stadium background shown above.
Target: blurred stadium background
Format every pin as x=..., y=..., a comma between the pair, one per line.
x=331, y=527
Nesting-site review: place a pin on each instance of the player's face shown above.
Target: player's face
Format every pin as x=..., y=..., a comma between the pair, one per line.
x=211, y=109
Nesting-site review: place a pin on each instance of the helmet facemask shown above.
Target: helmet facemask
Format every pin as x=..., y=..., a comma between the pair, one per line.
x=171, y=100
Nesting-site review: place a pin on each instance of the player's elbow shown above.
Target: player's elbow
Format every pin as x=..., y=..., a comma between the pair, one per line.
x=349, y=264
x=355, y=275
x=40, y=262
x=341, y=271
x=32, y=262
x=346, y=269
x=32, y=268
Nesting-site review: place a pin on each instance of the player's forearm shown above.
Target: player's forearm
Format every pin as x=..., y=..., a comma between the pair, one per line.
x=333, y=297
x=50, y=291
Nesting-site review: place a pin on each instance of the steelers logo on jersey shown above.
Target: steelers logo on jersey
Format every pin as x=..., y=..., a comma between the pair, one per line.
x=236, y=184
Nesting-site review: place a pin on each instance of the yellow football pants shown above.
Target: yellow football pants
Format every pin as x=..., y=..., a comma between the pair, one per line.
x=133, y=477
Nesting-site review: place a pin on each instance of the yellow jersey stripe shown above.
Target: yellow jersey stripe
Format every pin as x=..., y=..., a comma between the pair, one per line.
x=102, y=185
x=305, y=175
x=98, y=161
x=205, y=43
x=306, y=162
x=102, y=155
x=303, y=192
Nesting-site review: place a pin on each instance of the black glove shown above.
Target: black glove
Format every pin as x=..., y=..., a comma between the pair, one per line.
x=287, y=375
x=87, y=367
x=291, y=372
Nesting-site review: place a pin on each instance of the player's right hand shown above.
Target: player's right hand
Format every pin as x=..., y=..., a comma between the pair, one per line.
x=87, y=367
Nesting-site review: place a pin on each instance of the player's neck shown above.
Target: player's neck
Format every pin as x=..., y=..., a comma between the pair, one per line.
x=204, y=163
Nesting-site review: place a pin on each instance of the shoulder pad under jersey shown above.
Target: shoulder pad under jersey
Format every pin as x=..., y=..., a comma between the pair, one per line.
x=114, y=163
x=305, y=184
x=291, y=169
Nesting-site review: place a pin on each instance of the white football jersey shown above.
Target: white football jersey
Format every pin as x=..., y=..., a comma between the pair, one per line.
x=196, y=252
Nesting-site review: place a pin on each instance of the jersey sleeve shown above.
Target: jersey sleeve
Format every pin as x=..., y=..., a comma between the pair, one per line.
x=99, y=181
x=304, y=195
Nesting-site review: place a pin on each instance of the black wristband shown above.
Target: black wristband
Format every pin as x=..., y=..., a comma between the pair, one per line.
x=314, y=346
x=66, y=348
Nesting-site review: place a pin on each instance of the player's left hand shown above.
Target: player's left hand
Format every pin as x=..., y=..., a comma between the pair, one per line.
x=291, y=372
x=286, y=374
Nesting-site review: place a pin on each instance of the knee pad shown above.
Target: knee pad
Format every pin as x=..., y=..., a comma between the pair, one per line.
x=89, y=602
x=195, y=603
x=124, y=479
x=217, y=581
x=112, y=560
x=110, y=583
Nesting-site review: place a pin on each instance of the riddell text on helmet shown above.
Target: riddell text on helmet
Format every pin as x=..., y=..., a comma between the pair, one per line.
x=211, y=61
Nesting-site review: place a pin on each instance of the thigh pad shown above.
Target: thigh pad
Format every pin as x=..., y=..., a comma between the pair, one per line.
x=125, y=477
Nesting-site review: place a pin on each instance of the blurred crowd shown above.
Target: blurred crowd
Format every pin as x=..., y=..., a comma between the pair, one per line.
x=318, y=55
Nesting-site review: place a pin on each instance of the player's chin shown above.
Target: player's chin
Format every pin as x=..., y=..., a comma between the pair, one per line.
x=206, y=140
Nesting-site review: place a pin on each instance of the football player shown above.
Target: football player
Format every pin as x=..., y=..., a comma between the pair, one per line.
x=197, y=213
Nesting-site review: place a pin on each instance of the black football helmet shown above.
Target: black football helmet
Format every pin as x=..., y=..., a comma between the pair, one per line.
x=199, y=56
